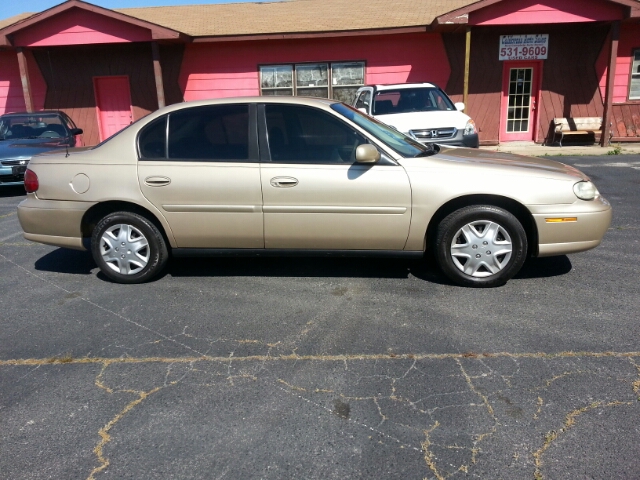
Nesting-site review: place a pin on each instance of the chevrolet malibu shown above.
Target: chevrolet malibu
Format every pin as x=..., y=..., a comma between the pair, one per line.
x=300, y=176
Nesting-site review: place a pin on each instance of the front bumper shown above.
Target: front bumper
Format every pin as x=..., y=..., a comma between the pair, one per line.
x=53, y=222
x=564, y=229
x=460, y=140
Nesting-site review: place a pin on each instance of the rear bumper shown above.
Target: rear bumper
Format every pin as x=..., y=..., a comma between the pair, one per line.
x=571, y=228
x=53, y=222
x=9, y=177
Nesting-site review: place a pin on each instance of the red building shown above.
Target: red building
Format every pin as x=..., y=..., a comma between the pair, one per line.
x=517, y=64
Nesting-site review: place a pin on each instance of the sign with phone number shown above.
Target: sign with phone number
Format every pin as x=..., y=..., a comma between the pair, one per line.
x=524, y=47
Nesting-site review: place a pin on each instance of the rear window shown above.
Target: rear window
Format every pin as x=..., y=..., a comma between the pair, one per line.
x=32, y=126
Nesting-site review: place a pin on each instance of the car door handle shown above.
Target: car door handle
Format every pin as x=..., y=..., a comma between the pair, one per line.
x=284, y=182
x=157, y=181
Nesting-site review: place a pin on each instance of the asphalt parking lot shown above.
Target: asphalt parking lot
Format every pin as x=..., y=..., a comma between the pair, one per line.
x=324, y=368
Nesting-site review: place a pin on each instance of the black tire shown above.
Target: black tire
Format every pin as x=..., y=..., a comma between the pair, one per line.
x=491, y=249
x=144, y=251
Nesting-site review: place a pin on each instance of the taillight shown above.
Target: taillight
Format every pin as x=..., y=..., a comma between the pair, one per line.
x=31, y=181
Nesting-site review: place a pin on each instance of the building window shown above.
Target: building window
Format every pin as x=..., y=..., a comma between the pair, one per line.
x=277, y=80
x=312, y=80
x=339, y=80
x=634, y=86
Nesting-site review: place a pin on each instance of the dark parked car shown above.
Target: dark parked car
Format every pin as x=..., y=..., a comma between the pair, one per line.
x=23, y=135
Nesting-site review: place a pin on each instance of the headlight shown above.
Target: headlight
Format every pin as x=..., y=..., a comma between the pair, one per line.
x=470, y=128
x=585, y=190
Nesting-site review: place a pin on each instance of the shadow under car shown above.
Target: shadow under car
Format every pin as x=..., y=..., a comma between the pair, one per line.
x=77, y=262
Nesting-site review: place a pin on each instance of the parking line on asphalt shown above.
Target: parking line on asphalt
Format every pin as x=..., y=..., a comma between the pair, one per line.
x=635, y=165
x=122, y=317
x=313, y=358
x=9, y=237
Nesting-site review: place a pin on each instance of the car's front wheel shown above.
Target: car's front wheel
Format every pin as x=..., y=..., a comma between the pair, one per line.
x=480, y=246
x=128, y=248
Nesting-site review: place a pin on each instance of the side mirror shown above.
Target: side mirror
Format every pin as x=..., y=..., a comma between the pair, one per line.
x=367, y=153
x=76, y=131
x=459, y=106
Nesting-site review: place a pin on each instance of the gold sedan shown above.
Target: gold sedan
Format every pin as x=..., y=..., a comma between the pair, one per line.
x=283, y=176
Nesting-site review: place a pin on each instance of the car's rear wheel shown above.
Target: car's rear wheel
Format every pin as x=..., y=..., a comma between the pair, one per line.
x=128, y=248
x=480, y=246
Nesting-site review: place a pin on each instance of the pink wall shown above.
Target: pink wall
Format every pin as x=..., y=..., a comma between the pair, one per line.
x=520, y=12
x=38, y=84
x=11, y=96
x=216, y=70
x=79, y=27
x=11, y=99
x=629, y=40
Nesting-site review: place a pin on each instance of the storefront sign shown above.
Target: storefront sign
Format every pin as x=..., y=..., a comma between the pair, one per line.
x=524, y=47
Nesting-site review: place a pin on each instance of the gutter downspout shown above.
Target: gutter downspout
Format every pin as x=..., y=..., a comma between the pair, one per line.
x=467, y=58
x=605, y=139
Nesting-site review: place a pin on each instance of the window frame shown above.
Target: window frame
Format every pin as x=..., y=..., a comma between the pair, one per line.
x=631, y=74
x=293, y=79
x=294, y=76
x=363, y=91
x=265, y=150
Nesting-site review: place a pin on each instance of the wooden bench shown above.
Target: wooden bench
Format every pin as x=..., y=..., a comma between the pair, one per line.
x=576, y=126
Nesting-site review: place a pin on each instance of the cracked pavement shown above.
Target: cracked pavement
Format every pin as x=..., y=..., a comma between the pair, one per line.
x=331, y=368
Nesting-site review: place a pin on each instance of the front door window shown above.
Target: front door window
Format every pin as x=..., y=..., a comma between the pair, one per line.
x=309, y=135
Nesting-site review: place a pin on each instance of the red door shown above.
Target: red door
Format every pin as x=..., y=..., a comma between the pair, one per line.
x=113, y=101
x=520, y=98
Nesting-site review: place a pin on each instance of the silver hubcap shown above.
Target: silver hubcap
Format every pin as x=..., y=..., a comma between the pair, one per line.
x=124, y=249
x=481, y=249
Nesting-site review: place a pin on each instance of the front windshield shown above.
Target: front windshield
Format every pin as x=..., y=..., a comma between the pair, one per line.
x=405, y=100
x=13, y=127
x=399, y=142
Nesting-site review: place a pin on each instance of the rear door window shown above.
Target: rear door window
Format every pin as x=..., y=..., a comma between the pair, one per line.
x=152, y=141
x=214, y=133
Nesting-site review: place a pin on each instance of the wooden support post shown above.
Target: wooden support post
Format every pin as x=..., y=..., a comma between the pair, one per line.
x=611, y=74
x=467, y=57
x=157, y=71
x=24, y=78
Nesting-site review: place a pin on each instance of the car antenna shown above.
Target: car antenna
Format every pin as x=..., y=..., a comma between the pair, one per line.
x=66, y=146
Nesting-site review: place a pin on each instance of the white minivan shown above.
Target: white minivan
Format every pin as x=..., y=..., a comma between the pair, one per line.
x=421, y=110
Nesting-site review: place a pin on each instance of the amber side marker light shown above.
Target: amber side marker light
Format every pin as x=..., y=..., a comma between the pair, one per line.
x=561, y=220
x=31, y=183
